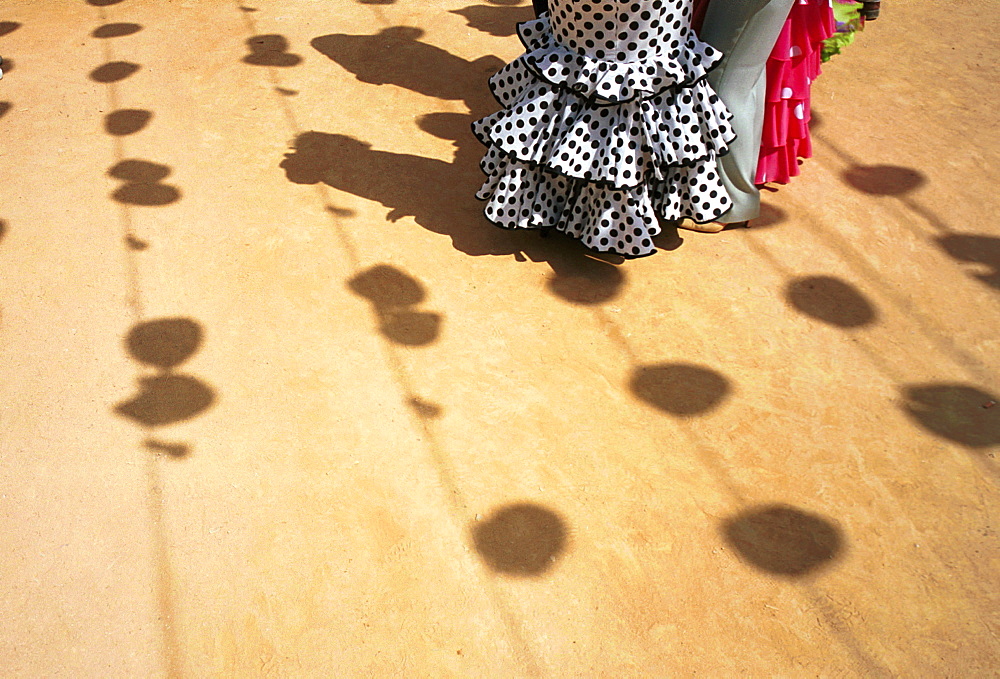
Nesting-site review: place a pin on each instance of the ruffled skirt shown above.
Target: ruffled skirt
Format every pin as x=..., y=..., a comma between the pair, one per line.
x=793, y=66
x=603, y=150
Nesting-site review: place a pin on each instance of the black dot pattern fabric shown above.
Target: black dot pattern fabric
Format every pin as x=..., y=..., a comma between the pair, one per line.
x=607, y=127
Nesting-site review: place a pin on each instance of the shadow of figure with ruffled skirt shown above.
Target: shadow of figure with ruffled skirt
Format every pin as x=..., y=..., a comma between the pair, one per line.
x=437, y=194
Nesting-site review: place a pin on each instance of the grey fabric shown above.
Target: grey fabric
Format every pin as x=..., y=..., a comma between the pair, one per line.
x=745, y=31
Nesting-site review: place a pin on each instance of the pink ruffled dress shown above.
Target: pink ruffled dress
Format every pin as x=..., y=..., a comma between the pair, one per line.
x=791, y=69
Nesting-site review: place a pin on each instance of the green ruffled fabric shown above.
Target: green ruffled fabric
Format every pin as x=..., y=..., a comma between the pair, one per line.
x=847, y=16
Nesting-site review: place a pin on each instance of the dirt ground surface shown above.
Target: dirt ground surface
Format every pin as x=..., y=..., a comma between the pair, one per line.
x=277, y=401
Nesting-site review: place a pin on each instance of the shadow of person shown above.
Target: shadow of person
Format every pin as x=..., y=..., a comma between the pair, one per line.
x=520, y=540
x=166, y=397
x=957, y=412
x=831, y=300
x=498, y=21
x=4, y=107
x=393, y=295
x=437, y=194
x=975, y=249
x=784, y=540
x=395, y=56
x=270, y=50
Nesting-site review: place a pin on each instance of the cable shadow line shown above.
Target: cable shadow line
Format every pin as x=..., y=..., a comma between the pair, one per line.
x=927, y=215
x=379, y=14
x=272, y=73
x=346, y=242
x=459, y=508
x=456, y=501
x=156, y=508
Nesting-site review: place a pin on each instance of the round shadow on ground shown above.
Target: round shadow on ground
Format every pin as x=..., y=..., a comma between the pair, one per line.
x=783, y=540
x=956, y=412
x=4, y=107
x=143, y=185
x=521, y=540
x=393, y=293
x=126, y=121
x=831, y=300
x=585, y=280
x=410, y=328
x=680, y=388
x=165, y=343
x=113, y=71
x=387, y=287
x=166, y=399
x=116, y=30
x=270, y=50
x=883, y=180
x=3, y=229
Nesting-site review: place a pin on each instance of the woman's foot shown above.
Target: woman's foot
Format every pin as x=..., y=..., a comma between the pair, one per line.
x=710, y=227
x=707, y=227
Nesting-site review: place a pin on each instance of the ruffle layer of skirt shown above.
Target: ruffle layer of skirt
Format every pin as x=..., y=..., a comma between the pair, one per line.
x=521, y=195
x=604, y=81
x=623, y=145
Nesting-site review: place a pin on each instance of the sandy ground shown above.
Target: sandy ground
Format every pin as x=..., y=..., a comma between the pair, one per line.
x=277, y=401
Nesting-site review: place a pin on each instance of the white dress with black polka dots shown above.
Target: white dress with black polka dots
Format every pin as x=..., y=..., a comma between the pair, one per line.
x=607, y=125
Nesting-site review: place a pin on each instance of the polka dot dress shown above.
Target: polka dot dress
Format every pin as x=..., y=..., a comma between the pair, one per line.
x=607, y=125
